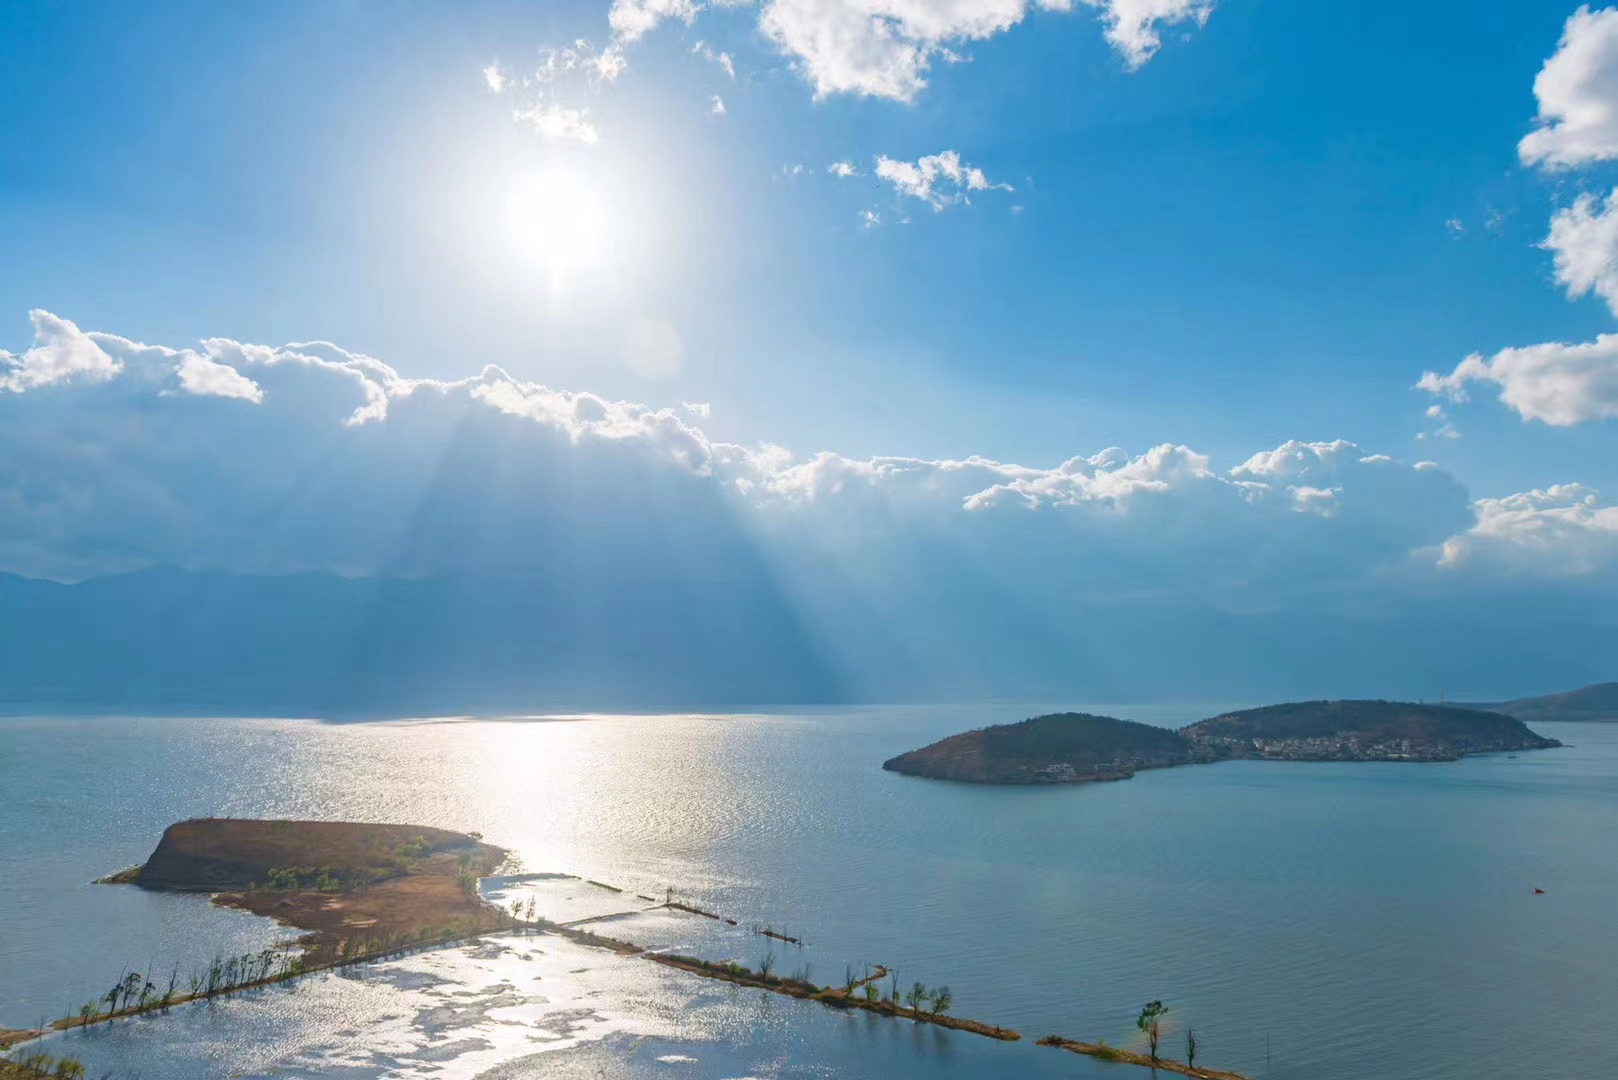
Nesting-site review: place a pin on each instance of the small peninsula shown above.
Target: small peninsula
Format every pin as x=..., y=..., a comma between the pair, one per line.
x=342, y=881
x=1069, y=748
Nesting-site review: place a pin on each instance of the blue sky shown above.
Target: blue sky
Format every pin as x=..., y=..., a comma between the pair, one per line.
x=1217, y=225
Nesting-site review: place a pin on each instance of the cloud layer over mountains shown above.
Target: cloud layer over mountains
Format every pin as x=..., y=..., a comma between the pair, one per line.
x=244, y=459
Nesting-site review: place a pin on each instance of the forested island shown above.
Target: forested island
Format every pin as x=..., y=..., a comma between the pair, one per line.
x=1067, y=748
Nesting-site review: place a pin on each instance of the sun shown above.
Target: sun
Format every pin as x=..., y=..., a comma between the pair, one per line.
x=558, y=223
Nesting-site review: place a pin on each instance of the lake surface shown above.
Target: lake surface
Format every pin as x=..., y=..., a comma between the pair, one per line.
x=1338, y=921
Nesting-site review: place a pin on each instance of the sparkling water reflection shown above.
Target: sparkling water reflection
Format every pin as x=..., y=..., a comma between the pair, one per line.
x=1348, y=912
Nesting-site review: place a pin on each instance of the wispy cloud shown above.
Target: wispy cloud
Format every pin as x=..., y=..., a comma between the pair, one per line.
x=710, y=54
x=941, y=180
x=560, y=123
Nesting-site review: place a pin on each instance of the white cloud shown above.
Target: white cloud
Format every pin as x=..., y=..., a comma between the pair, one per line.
x=560, y=123
x=579, y=61
x=1584, y=238
x=60, y=352
x=1553, y=383
x=1577, y=91
x=940, y=180
x=633, y=19
x=869, y=219
x=609, y=63
x=885, y=48
x=713, y=56
x=718, y=106
x=1132, y=25
x=842, y=169
x=336, y=447
x=1564, y=531
x=551, y=91
x=1455, y=227
x=206, y=377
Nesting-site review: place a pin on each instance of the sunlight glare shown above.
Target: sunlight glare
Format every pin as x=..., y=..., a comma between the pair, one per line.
x=557, y=222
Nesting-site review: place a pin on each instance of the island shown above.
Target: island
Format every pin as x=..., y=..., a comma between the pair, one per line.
x=1070, y=748
x=353, y=886
x=1061, y=748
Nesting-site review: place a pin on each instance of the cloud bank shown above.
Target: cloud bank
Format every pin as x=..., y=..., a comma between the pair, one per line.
x=628, y=532
x=119, y=454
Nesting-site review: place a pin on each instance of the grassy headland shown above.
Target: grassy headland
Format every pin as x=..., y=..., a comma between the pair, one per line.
x=344, y=882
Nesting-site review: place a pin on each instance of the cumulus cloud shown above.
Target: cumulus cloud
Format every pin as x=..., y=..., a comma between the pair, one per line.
x=1553, y=383
x=206, y=377
x=940, y=180
x=1584, y=239
x=268, y=458
x=842, y=169
x=1577, y=91
x=495, y=79
x=885, y=48
x=1563, y=531
x=717, y=106
x=60, y=353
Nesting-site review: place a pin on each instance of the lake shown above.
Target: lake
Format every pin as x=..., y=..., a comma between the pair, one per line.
x=1311, y=921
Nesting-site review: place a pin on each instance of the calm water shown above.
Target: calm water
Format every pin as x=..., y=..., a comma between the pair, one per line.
x=1365, y=920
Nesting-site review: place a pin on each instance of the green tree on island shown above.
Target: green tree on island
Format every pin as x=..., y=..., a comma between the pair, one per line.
x=941, y=1000
x=1150, y=1022
x=1191, y=1047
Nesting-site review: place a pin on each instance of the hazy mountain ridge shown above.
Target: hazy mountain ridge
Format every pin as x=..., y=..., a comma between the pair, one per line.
x=609, y=630
x=1596, y=702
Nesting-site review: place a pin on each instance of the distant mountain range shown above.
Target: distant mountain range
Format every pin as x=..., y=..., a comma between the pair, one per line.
x=699, y=626
x=1597, y=702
